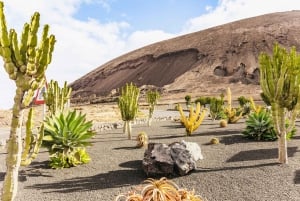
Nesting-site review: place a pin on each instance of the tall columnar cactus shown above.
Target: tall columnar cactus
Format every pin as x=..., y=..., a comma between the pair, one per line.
x=25, y=62
x=194, y=120
x=128, y=104
x=280, y=83
x=56, y=97
x=152, y=98
x=233, y=115
x=32, y=142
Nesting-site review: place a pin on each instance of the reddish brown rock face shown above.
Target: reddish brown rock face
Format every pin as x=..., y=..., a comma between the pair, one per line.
x=204, y=62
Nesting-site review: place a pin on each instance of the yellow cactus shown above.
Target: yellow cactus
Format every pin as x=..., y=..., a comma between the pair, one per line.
x=194, y=120
x=255, y=108
x=232, y=114
x=142, y=140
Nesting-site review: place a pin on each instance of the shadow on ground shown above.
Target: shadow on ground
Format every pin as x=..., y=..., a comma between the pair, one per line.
x=111, y=179
x=260, y=154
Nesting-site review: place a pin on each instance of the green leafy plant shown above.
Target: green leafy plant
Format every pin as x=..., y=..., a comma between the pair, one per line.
x=65, y=136
x=260, y=126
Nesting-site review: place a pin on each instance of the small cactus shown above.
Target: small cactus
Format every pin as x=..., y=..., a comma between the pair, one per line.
x=214, y=141
x=223, y=123
x=142, y=140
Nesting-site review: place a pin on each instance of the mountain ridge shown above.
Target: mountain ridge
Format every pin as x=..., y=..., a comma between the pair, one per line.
x=200, y=63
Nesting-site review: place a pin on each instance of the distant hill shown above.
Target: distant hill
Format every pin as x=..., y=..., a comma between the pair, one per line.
x=200, y=63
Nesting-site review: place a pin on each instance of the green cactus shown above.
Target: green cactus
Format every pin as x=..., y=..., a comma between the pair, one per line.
x=32, y=141
x=128, y=104
x=152, y=98
x=280, y=83
x=25, y=63
x=56, y=97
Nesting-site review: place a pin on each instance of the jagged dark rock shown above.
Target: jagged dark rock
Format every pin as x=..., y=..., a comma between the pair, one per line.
x=177, y=158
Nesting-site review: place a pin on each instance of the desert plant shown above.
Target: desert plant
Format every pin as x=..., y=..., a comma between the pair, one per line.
x=186, y=195
x=162, y=189
x=223, y=123
x=142, y=140
x=66, y=134
x=280, y=83
x=188, y=100
x=152, y=98
x=128, y=104
x=216, y=108
x=255, y=108
x=203, y=100
x=233, y=114
x=25, y=62
x=55, y=97
x=32, y=141
x=194, y=120
x=259, y=126
x=214, y=141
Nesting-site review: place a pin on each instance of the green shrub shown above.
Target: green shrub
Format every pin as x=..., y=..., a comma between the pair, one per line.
x=260, y=126
x=188, y=100
x=65, y=136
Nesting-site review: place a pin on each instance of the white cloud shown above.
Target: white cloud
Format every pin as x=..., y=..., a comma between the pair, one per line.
x=84, y=45
x=232, y=10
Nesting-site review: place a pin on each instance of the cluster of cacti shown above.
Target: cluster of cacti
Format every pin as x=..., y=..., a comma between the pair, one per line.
x=152, y=98
x=233, y=114
x=32, y=141
x=55, y=97
x=160, y=190
x=142, y=140
x=194, y=120
x=25, y=62
x=128, y=104
x=280, y=83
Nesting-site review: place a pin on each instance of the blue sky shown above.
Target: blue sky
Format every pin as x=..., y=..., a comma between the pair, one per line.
x=90, y=33
x=167, y=15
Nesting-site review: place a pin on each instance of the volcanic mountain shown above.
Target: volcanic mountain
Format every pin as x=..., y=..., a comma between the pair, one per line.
x=201, y=63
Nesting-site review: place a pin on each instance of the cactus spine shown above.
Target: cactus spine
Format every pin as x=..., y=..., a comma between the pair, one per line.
x=56, y=97
x=33, y=141
x=128, y=104
x=25, y=63
x=152, y=98
x=280, y=83
x=194, y=120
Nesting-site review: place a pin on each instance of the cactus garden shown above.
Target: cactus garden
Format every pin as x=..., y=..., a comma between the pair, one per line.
x=65, y=150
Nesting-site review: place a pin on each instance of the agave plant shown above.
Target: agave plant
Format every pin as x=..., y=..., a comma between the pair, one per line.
x=160, y=190
x=65, y=136
x=260, y=126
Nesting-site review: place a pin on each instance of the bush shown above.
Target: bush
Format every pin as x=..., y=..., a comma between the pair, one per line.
x=260, y=126
x=65, y=136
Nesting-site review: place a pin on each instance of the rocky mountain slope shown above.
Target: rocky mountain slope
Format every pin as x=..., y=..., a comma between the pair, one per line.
x=200, y=63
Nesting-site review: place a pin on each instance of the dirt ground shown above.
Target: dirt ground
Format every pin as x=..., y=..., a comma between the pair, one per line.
x=237, y=169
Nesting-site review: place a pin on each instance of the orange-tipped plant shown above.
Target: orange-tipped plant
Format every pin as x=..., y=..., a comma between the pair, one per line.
x=160, y=190
x=186, y=195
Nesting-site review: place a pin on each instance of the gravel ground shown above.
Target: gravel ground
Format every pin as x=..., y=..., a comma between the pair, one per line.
x=237, y=169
